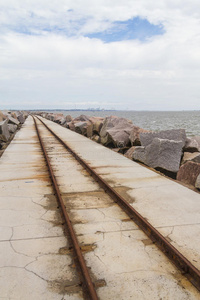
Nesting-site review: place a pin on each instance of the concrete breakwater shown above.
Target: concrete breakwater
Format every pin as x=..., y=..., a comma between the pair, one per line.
x=10, y=122
x=170, y=152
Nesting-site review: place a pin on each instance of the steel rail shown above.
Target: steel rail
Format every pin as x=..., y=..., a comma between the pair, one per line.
x=182, y=263
x=89, y=284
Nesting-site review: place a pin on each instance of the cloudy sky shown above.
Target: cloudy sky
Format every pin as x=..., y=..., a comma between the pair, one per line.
x=122, y=54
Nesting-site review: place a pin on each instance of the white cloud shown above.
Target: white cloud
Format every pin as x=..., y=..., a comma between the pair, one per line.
x=60, y=67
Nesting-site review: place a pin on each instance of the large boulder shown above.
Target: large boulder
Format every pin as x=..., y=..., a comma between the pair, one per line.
x=4, y=131
x=173, y=134
x=189, y=172
x=107, y=124
x=94, y=126
x=140, y=154
x=71, y=126
x=12, y=128
x=129, y=153
x=65, y=120
x=135, y=135
x=68, y=118
x=12, y=120
x=188, y=156
x=160, y=154
x=14, y=115
x=26, y=114
x=97, y=122
x=89, y=130
x=115, y=131
x=118, y=137
x=21, y=118
x=81, y=127
x=2, y=116
x=192, y=144
x=62, y=121
x=50, y=116
x=97, y=126
x=58, y=117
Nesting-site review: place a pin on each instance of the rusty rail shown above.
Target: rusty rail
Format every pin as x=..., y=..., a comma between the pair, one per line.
x=87, y=279
x=184, y=265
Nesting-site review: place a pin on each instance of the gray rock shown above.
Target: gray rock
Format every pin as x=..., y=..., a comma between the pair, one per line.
x=71, y=126
x=188, y=156
x=50, y=117
x=94, y=126
x=97, y=127
x=2, y=116
x=116, y=131
x=161, y=154
x=12, y=120
x=135, y=135
x=21, y=118
x=192, y=144
x=68, y=118
x=107, y=124
x=4, y=130
x=89, y=130
x=14, y=115
x=129, y=153
x=57, y=118
x=81, y=127
x=139, y=154
x=173, y=134
x=12, y=128
x=189, y=172
x=119, y=138
x=97, y=122
x=62, y=121
x=65, y=120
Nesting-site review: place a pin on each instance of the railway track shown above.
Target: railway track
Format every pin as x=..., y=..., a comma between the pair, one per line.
x=51, y=144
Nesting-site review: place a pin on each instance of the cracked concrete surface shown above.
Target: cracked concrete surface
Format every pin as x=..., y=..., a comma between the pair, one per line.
x=120, y=254
x=31, y=236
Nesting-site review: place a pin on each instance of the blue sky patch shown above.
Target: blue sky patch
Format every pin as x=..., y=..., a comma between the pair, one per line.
x=131, y=29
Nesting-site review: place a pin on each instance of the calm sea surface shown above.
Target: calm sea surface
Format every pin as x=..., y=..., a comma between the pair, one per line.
x=152, y=120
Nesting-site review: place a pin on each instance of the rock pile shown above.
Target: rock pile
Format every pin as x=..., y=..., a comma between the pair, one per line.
x=168, y=151
x=9, y=123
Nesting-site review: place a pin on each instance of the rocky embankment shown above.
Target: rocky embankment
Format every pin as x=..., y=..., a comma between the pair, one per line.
x=10, y=122
x=169, y=151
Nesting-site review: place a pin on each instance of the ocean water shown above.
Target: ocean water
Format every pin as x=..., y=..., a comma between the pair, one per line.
x=151, y=120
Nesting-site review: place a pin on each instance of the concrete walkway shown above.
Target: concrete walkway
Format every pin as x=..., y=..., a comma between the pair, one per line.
x=33, y=261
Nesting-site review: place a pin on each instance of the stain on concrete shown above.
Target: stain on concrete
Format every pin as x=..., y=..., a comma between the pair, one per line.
x=96, y=199
x=65, y=286
x=88, y=248
x=123, y=191
x=147, y=242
